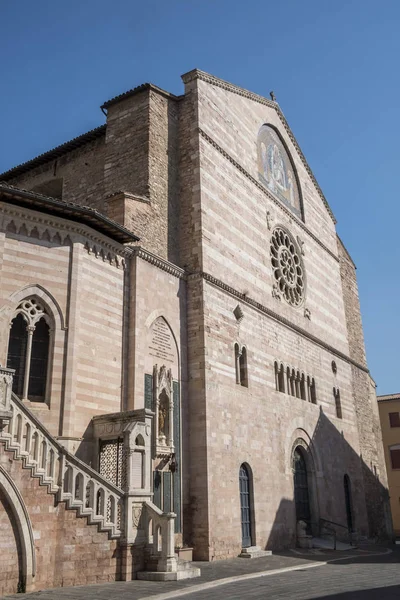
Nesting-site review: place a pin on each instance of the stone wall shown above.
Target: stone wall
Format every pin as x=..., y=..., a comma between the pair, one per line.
x=258, y=425
x=227, y=221
x=366, y=407
x=79, y=276
x=81, y=171
x=68, y=550
x=11, y=556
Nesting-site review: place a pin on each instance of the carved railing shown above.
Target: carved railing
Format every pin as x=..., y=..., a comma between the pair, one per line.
x=160, y=536
x=74, y=482
x=84, y=489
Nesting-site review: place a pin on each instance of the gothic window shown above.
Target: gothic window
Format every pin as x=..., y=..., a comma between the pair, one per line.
x=287, y=267
x=28, y=350
x=338, y=405
x=302, y=387
x=279, y=377
x=241, y=365
x=313, y=392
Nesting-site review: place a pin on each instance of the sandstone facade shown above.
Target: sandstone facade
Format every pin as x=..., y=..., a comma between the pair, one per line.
x=210, y=272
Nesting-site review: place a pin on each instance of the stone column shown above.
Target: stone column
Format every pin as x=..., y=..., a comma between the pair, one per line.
x=30, y=329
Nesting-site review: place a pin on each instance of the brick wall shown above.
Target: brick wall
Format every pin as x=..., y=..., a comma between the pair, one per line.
x=81, y=171
x=68, y=550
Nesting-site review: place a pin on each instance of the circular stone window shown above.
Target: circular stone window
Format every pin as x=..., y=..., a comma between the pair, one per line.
x=287, y=267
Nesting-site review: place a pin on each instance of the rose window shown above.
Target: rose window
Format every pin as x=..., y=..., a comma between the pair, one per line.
x=287, y=267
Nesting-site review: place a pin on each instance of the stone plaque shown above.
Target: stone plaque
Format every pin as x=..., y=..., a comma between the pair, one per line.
x=162, y=344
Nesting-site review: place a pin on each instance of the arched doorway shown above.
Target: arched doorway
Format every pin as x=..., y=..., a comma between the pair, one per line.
x=349, y=508
x=245, y=505
x=11, y=575
x=301, y=490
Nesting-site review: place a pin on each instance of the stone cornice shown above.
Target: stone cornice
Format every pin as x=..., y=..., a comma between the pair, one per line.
x=273, y=315
x=42, y=222
x=264, y=190
x=158, y=262
x=197, y=74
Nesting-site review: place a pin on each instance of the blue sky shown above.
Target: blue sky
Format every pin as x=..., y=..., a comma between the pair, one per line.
x=332, y=64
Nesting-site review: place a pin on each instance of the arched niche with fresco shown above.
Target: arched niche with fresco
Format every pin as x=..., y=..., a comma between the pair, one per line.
x=276, y=170
x=162, y=362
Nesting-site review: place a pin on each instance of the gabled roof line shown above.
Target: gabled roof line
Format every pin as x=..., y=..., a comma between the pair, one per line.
x=197, y=74
x=56, y=152
x=388, y=397
x=137, y=90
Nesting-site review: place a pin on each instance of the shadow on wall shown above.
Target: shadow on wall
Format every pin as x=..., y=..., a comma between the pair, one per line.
x=329, y=482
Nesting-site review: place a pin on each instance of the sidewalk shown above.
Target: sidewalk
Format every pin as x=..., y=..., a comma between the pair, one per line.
x=213, y=574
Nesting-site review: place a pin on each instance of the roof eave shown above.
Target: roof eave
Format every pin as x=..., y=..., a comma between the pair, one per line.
x=67, y=210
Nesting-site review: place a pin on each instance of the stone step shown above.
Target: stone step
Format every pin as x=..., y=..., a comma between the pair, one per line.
x=327, y=544
x=254, y=552
x=186, y=573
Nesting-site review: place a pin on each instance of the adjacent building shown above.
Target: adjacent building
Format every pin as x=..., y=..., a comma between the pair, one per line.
x=180, y=325
x=389, y=413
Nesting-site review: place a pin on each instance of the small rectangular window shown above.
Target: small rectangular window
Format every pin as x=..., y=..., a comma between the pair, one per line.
x=394, y=419
x=395, y=458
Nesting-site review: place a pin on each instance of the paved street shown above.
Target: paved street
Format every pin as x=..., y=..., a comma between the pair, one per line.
x=287, y=576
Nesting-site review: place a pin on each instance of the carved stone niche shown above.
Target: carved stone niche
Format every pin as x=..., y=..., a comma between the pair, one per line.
x=130, y=434
x=6, y=381
x=164, y=409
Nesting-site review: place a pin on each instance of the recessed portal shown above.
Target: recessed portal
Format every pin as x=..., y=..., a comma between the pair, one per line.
x=301, y=493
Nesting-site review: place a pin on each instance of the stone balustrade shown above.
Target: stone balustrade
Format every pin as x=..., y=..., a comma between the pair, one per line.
x=126, y=514
x=160, y=534
x=74, y=482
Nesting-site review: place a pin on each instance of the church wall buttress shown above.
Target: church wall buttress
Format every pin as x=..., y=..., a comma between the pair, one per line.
x=366, y=407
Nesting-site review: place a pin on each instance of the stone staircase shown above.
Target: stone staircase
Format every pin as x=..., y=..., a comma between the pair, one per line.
x=91, y=495
x=161, y=563
x=66, y=477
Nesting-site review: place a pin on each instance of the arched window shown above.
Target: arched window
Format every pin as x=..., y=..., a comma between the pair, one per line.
x=302, y=387
x=243, y=368
x=241, y=365
x=28, y=350
x=338, y=405
x=313, y=392
x=293, y=383
x=282, y=378
x=279, y=377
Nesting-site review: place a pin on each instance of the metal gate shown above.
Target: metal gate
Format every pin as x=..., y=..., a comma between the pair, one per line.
x=112, y=461
x=244, y=487
x=301, y=496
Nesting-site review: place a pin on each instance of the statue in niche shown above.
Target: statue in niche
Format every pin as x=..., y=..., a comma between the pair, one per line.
x=163, y=418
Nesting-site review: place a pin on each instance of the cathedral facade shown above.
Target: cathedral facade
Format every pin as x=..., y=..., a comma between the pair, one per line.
x=182, y=347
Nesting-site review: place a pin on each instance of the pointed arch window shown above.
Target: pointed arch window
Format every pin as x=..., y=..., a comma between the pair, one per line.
x=338, y=404
x=241, y=365
x=28, y=350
